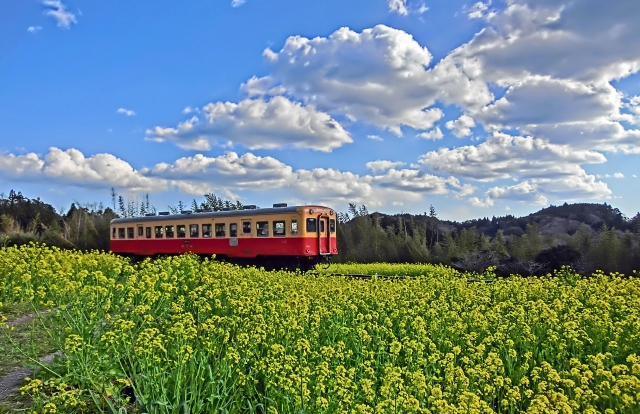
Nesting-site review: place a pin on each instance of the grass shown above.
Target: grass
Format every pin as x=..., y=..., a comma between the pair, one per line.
x=28, y=340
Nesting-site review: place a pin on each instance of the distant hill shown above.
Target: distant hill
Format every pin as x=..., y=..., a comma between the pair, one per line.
x=553, y=220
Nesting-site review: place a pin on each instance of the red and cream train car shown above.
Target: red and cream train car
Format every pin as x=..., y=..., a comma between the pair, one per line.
x=292, y=237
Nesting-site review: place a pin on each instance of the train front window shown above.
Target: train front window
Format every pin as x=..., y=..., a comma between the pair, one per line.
x=113, y=233
x=193, y=231
x=158, y=232
x=233, y=230
x=278, y=228
x=263, y=228
x=321, y=226
x=130, y=233
x=294, y=227
x=140, y=231
x=332, y=225
x=220, y=229
x=147, y=232
x=246, y=227
x=169, y=232
x=206, y=230
x=312, y=226
x=182, y=231
x=121, y=233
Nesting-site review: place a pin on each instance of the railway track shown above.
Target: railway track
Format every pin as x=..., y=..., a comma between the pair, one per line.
x=357, y=276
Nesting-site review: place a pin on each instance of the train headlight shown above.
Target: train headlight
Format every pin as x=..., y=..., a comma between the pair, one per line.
x=331, y=213
x=311, y=211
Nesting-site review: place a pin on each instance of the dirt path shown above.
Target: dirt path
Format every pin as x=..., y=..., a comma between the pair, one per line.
x=28, y=317
x=11, y=382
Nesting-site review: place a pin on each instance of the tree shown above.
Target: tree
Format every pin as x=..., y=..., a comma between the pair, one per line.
x=113, y=197
x=121, y=208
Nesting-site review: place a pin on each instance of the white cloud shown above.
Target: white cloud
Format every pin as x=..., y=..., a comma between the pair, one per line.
x=478, y=10
x=34, y=29
x=380, y=76
x=524, y=191
x=20, y=164
x=256, y=123
x=375, y=137
x=59, y=12
x=398, y=6
x=127, y=112
x=618, y=175
x=383, y=165
x=71, y=167
x=237, y=3
x=505, y=156
x=477, y=202
x=462, y=126
x=422, y=9
x=434, y=134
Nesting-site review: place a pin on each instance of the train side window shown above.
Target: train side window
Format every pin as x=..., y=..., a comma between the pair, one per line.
x=233, y=230
x=263, y=228
x=278, y=228
x=168, y=232
x=140, y=231
x=193, y=231
x=321, y=226
x=294, y=227
x=147, y=232
x=206, y=230
x=220, y=229
x=113, y=233
x=182, y=231
x=121, y=233
x=130, y=233
x=246, y=227
x=311, y=225
x=332, y=225
x=158, y=232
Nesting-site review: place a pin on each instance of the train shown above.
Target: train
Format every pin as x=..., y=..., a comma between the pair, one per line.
x=282, y=236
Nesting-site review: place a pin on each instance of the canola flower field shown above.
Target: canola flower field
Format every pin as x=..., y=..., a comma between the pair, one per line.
x=185, y=335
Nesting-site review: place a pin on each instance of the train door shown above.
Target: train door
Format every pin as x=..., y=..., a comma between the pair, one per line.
x=324, y=238
x=245, y=232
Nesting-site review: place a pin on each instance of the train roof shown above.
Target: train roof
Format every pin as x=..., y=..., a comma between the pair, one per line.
x=213, y=214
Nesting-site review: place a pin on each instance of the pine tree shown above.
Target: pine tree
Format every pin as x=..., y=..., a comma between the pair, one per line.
x=121, y=207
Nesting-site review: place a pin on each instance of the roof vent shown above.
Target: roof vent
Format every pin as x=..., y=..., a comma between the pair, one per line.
x=249, y=207
x=150, y=214
x=185, y=212
x=201, y=210
x=163, y=213
x=226, y=209
x=278, y=205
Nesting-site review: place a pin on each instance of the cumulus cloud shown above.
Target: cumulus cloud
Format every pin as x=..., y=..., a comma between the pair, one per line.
x=478, y=202
x=434, y=134
x=478, y=10
x=57, y=10
x=380, y=76
x=505, y=156
x=126, y=112
x=383, y=165
x=461, y=127
x=398, y=6
x=34, y=29
x=256, y=123
x=73, y=168
x=375, y=137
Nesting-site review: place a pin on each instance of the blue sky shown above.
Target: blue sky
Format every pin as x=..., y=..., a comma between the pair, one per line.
x=479, y=108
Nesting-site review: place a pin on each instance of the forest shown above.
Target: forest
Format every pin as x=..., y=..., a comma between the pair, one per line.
x=585, y=236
